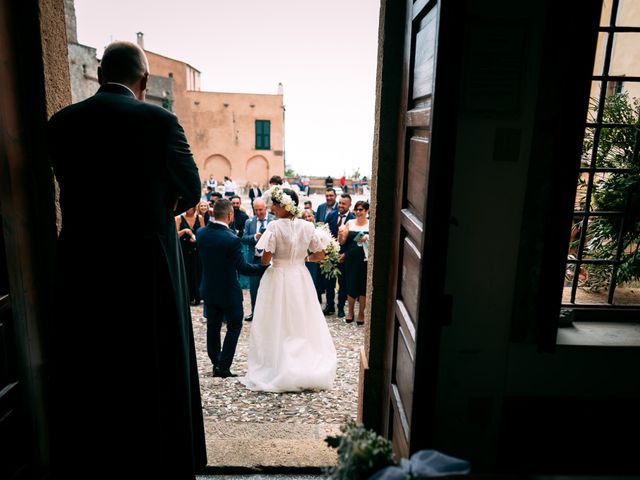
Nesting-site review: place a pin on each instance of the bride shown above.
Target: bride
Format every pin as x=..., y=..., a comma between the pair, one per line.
x=290, y=347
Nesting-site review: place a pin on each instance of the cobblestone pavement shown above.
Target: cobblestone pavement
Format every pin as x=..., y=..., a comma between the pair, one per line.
x=226, y=399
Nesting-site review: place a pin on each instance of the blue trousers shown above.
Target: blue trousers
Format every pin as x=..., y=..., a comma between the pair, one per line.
x=222, y=357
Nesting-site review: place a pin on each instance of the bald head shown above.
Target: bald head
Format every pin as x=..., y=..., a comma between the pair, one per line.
x=125, y=63
x=260, y=208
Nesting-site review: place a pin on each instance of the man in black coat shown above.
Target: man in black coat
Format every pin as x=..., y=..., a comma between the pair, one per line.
x=124, y=379
x=254, y=192
x=222, y=259
x=240, y=217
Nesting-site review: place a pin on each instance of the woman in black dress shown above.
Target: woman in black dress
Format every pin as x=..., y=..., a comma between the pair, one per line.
x=353, y=235
x=187, y=224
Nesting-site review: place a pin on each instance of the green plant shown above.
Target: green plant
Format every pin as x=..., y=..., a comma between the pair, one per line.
x=361, y=452
x=614, y=191
x=289, y=172
x=167, y=104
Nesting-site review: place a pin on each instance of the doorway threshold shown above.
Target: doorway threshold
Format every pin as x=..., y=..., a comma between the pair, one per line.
x=249, y=446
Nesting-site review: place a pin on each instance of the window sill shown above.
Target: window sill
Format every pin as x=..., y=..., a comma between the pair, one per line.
x=600, y=334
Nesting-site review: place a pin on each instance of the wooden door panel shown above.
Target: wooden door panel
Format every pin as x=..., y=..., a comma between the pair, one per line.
x=413, y=226
x=410, y=280
x=425, y=49
x=414, y=149
x=399, y=427
x=418, y=170
x=404, y=372
x=405, y=322
x=420, y=114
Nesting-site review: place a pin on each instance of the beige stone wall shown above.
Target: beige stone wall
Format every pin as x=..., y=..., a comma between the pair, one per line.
x=83, y=69
x=165, y=67
x=220, y=127
x=54, y=55
x=625, y=60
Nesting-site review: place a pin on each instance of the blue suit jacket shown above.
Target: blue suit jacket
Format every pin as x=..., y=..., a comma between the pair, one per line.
x=221, y=255
x=332, y=221
x=321, y=213
x=251, y=228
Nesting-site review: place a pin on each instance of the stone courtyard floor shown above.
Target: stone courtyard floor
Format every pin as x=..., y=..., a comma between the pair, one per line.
x=253, y=429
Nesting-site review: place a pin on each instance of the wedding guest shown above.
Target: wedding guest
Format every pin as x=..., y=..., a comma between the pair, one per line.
x=214, y=197
x=240, y=217
x=328, y=182
x=186, y=226
x=324, y=209
x=353, y=235
x=221, y=254
x=254, y=192
x=203, y=211
x=336, y=220
x=229, y=187
x=253, y=230
x=309, y=206
x=207, y=194
x=211, y=182
x=313, y=267
x=275, y=180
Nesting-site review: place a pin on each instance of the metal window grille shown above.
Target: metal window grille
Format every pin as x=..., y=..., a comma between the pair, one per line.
x=592, y=276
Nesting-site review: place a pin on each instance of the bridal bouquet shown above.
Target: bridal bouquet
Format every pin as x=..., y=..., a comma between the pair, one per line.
x=328, y=266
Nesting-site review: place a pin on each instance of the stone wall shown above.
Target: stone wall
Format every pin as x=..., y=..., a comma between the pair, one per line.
x=83, y=70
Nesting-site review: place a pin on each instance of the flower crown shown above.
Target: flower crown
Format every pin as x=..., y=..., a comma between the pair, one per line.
x=276, y=194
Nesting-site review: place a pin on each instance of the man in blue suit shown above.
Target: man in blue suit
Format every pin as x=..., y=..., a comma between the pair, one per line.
x=253, y=229
x=326, y=208
x=221, y=254
x=335, y=220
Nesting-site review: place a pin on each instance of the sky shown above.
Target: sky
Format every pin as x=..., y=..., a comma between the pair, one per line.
x=323, y=52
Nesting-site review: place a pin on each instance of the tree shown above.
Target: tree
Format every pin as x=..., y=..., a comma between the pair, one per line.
x=614, y=191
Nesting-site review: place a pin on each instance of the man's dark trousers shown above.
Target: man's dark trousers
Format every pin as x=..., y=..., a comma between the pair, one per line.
x=221, y=358
x=330, y=289
x=254, y=283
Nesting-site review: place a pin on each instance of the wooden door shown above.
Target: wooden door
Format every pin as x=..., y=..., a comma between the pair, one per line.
x=419, y=306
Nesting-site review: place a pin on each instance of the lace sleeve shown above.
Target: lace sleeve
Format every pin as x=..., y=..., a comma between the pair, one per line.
x=267, y=241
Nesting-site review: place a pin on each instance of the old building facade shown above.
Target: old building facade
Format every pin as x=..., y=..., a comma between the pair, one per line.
x=239, y=135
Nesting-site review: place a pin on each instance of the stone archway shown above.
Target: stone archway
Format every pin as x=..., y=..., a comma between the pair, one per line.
x=217, y=165
x=257, y=170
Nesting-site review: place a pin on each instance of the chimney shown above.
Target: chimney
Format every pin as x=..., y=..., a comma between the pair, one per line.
x=140, y=39
x=280, y=89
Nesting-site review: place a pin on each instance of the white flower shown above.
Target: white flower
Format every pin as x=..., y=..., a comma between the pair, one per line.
x=331, y=249
x=277, y=195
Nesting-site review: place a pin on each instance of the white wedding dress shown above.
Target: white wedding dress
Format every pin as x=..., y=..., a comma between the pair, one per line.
x=290, y=347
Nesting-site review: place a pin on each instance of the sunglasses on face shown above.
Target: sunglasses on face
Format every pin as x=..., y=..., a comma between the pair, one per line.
x=360, y=210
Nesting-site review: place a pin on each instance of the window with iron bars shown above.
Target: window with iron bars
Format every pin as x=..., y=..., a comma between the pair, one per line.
x=603, y=261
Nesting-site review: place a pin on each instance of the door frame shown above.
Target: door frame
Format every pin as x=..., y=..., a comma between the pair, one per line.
x=35, y=83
